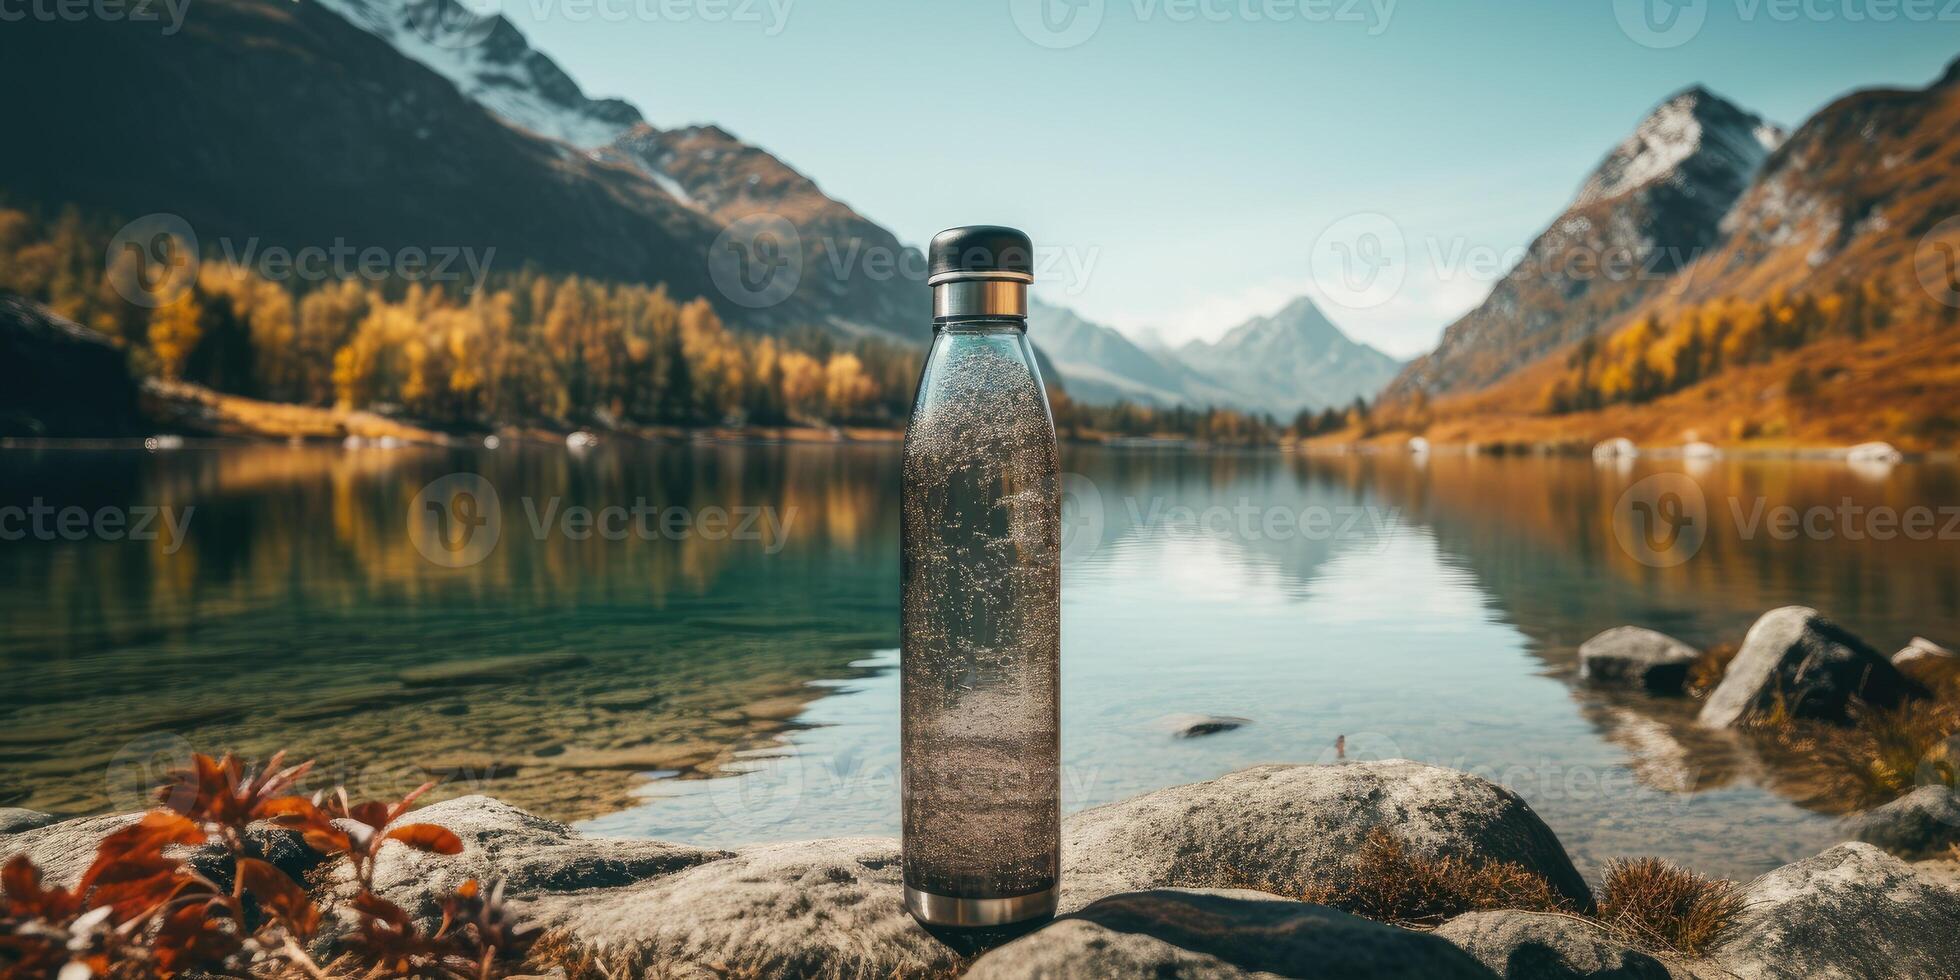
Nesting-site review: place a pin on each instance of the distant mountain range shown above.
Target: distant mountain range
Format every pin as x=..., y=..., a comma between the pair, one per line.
x=319, y=121
x=1292, y=360
x=1654, y=204
x=1862, y=201
x=373, y=122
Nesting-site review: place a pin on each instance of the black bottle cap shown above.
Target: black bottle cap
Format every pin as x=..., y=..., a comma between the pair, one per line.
x=980, y=252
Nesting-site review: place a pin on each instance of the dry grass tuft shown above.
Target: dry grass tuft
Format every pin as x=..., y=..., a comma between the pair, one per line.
x=1393, y=885
x=1656, y=903
x=559, y=950
x=1886, y=754
x=1880, y=756
x=1705, y=673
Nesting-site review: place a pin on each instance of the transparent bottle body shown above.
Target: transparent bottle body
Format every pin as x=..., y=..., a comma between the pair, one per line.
x=981, y=631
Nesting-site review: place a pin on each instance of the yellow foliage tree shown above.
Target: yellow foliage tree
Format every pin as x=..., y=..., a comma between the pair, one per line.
x=174, y=331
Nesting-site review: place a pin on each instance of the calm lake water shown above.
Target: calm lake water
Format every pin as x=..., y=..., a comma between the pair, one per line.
x=665, y=675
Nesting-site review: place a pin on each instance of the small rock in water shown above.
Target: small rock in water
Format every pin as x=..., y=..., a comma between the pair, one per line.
x=1616, y=448
x=1632, y=656
x=1921, y=649
x=1933, y=666
x=643, y=758
x=1193, y=725
x=486, y=670
x=626, y=700
x=1873, y=452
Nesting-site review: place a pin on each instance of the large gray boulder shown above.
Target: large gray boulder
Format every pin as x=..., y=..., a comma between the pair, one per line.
x=1226, y=935
x=1850, y=913
x=1634, y=657
x=817, y=909
x=1537, y=946
x=533, y=856
x=1796, y=663
x=1921, y=824
x=1280, y=824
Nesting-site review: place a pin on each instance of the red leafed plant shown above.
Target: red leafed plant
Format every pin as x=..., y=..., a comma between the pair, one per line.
x=141, y=910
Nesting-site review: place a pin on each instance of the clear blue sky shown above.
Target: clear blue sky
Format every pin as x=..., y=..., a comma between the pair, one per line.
x=1190, y=161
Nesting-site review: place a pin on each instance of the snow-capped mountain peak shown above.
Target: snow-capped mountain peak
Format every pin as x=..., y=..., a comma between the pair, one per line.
x=489, y=60
x=1694, y=123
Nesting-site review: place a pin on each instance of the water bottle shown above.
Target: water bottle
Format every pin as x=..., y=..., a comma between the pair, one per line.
x=980, y=665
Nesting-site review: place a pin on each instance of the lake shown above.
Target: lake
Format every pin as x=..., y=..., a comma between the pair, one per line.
x=698, y=642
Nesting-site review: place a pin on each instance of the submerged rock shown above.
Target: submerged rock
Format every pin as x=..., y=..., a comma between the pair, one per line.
x=1923, y=823
x=1873, y=452
x=1193, y=725
x=1222, y=934
x=1537, y=946
x=1288, y=823
x=1631, y=656
x=1850, y=913
x=1797, y=664
x=826, y=908
x=489, y=670
x=1618, y=447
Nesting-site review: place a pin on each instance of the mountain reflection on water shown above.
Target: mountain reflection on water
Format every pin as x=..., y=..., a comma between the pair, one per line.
x=1421, y=606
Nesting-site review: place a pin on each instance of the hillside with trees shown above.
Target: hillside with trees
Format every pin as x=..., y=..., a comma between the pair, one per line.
x=1826, y=312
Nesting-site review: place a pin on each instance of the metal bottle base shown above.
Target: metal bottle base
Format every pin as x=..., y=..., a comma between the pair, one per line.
x=943, y=910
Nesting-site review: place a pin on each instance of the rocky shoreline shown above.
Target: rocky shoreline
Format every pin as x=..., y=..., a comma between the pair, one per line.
x=1146, y=890
x=1804, y=681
